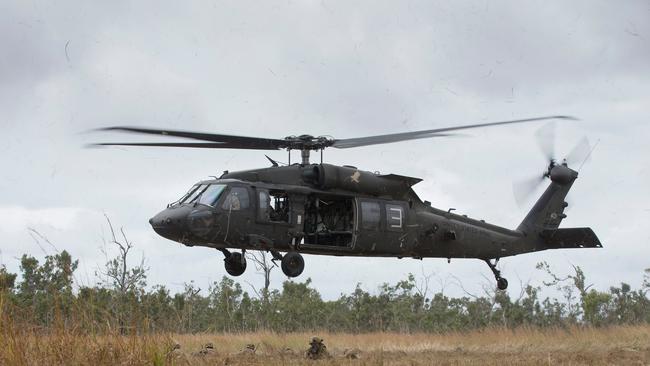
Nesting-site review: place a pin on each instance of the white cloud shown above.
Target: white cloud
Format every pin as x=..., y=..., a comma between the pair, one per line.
x=14, y=219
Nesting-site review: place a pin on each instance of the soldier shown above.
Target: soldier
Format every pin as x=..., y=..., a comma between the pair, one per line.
x=352, y=354
x=317, y=349
x=249, y=350
x=207, y=349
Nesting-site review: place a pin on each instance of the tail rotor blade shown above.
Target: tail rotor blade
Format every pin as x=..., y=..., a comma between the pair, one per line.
x=580, y=153
x=546, y=140
x=523, y=189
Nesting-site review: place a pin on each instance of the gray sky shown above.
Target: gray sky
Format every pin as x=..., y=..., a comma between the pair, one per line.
x=324, y=68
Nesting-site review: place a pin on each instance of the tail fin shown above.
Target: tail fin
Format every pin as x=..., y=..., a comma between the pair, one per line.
x=548, y=211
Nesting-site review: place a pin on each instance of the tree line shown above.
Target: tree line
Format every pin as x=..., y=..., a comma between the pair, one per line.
x=44, y=296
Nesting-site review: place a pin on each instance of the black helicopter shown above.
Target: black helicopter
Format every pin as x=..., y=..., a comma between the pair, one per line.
x=326, y=209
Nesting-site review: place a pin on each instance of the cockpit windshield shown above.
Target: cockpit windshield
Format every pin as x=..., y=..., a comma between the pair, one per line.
x=184, y=198
x=193, y=193
x=207, y=194
x=211, y=194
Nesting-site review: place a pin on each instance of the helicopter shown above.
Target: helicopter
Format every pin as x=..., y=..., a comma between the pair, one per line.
x=325, y=209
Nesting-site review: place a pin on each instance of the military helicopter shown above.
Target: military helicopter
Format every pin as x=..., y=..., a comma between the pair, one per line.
x=324, y=209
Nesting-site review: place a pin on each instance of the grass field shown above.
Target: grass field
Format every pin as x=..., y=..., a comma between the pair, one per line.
x=576, y=346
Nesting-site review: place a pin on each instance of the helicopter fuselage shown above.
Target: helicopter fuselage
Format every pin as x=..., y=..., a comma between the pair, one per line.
x=330, y=210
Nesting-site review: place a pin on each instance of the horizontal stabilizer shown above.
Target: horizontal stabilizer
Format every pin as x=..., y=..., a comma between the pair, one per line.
x=576, y=237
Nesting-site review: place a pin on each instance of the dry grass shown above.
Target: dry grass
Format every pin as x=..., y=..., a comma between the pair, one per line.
x=604, y=346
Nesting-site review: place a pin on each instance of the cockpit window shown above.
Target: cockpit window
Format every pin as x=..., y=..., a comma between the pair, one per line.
x=186, y=195
x=211, y=194
x=193, y=193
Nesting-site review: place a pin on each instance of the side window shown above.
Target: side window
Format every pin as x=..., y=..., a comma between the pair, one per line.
x=394, y=217
x=273, y=206
x=237, y=199
x=264, y=205
x=370, y=214
x=280, y=210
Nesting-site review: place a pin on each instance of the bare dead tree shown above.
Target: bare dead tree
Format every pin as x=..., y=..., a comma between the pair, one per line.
x=116, y=271
x=422, y=286
x=263, y=266
x=457, y=281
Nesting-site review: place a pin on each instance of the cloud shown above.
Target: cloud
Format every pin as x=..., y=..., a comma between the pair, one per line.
x=15, y=219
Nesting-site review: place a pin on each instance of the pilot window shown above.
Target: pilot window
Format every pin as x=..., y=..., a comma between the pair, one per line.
x=185, y=196
x=211, y=194
x=189, y=198
x=394, y=217
x=370, y=214
x=273, y=206
x=237, y=199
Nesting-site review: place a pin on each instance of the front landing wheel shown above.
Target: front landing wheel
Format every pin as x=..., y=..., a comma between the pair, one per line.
x=292, y=264
x=235, y=264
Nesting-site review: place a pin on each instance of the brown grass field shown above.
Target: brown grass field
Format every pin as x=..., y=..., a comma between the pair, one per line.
x=628, y=345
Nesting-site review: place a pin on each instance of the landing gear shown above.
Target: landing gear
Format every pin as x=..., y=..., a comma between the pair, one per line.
x=235, y=263
x=502, y=283
x=292, y=264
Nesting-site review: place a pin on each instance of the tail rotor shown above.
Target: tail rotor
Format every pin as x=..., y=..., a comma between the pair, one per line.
x=545, y=136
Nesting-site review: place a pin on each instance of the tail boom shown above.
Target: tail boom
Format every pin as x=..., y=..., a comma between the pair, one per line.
x=541, y=224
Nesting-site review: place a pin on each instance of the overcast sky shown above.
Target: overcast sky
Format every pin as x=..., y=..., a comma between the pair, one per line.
x=339, y=68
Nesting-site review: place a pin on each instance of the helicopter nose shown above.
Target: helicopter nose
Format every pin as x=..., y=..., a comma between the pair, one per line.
x=170, y=223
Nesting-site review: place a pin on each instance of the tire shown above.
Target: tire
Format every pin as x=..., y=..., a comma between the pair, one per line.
x=502, y=283
x=235, y=264
x=292, y=264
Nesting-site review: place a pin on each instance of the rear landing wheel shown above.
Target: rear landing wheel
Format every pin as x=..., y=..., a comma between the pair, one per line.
x=292, y=264
x=235, y=264
x=502, y=283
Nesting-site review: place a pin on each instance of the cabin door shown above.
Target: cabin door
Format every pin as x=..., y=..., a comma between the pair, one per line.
x=329, y=221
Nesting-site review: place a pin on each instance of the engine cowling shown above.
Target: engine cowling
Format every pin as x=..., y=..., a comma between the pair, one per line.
x=326, y=176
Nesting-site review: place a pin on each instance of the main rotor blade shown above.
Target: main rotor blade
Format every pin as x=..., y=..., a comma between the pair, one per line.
x=396, y=137
x=205, y=145
x=262, y=143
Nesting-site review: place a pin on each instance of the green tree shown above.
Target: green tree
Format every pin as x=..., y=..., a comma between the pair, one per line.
x=297, y=307
x=7, y=280
x=628, y=306
x=46, y=290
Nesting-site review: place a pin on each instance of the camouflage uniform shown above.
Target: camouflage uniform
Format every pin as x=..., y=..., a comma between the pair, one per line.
x=317, y=349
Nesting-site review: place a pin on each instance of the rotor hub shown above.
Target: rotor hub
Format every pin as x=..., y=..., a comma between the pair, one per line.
x=307, y=142
x=562, y=174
